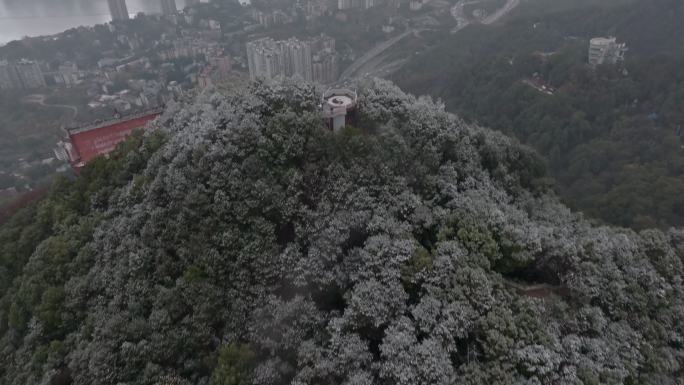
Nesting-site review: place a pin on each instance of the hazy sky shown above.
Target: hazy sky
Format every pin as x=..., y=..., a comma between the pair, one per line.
x=44, y=17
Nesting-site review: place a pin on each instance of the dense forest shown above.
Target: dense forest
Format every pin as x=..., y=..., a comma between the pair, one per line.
x=611, y=137
x=242, y=243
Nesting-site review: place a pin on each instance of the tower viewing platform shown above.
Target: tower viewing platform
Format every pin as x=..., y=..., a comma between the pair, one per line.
x=339, y=107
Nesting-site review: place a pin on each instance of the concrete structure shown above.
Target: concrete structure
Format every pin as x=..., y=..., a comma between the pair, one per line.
x=271, y=18
x=218, y=70
x=24, y=74
x=30, y=74
x=83, y=144
x=168, y=7
x=224, y=64
x=343, y=5
x=339, y=108
x=67, y=74
x=8, y=77
x=325, y=67
x=118, y=10
x=416, y=5
x=263, y=58
x=606, y=50
x=314, y=60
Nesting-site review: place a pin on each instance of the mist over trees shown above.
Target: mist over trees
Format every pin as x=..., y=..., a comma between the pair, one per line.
x=242, y=243
x=611, y=137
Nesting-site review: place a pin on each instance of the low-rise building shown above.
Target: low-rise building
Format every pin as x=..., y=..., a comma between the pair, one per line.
x=606, y=50
x=83, y=144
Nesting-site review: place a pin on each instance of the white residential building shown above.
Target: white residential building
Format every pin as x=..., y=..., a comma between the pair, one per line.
x=606, y=50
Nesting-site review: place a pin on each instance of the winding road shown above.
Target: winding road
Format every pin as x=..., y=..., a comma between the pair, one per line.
x=457, y=11
x=510, y=4
x=374, y=52
x=40, y=100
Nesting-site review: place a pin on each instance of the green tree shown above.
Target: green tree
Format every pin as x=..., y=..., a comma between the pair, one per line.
x=234, y=366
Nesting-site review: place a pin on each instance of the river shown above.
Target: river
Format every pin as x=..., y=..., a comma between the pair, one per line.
x=19, y=18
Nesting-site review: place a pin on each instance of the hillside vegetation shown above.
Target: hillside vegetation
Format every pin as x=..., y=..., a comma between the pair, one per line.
x=242, y=243
x=611, y=137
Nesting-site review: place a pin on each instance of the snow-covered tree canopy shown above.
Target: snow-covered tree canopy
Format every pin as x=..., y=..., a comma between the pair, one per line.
x=242, y=243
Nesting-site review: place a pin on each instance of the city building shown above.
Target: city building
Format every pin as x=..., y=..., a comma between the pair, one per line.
x=314, y=60
x=168, y=7
x=118, y=10
x=218, y=70
x=325, y=67
x=606, y=50
x=24, y=74
x=224, y=64
x=190, y=3
x=83, y=144
x=315, y=8
x=271, y=18
x=264, y=57
x=30, y=74
x=415, y=5
x=66, y=74
x=189, y=47
x=8, y=77
x=339, y=108
x=344, y=4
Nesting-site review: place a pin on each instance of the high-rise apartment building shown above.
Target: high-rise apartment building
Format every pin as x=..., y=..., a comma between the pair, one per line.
x=325, y=67
x=365, y=4
x=344, y=4
x=30, y=74
x=8, y=76
x=118, y=10
x=606, y=50
x=168, y=7
x=369, y=4
x=312, y=60
x=297, y=59
x=24, y=74
x=258, y=53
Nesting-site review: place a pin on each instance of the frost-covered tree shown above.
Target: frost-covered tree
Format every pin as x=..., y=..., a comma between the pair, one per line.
x=241, y=242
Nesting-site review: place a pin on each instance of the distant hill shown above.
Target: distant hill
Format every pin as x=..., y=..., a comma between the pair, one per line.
x=610, y=137
x=241, y=242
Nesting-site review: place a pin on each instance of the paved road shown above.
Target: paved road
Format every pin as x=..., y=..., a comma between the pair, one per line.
x=457, y=11
x=462, y=21
x=372, y=54
x=40, y=99
x=510, y=4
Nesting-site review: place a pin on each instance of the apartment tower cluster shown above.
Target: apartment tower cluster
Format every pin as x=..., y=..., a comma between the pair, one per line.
x=314, y=60
x=343, y=5
x=24, y=74
x=119, y=10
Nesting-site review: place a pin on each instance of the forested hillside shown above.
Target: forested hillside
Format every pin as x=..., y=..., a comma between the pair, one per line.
x=611, y=137
x=242, y=243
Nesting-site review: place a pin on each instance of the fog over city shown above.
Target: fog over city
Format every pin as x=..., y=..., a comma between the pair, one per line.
x=21, y=18
x=341, y=192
